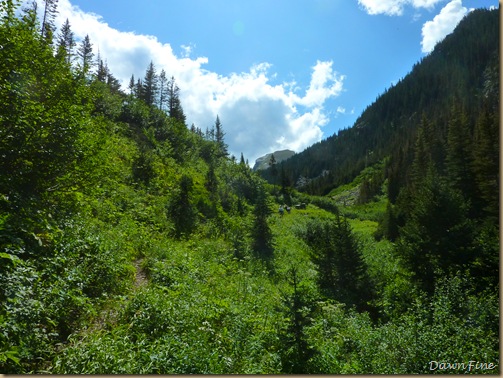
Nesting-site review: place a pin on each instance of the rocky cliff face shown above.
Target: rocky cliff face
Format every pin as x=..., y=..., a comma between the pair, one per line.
x=263, y=162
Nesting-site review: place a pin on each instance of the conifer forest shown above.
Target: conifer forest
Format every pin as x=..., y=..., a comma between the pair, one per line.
x=133, y=243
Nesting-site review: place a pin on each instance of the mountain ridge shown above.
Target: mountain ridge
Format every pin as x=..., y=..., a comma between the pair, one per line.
x=262, y=162
x=454, y=72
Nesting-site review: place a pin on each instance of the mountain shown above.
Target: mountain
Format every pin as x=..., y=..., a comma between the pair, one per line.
x=263, y=162
x=460, y=70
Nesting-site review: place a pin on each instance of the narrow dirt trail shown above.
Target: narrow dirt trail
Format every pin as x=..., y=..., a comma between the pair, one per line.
x=140, y=279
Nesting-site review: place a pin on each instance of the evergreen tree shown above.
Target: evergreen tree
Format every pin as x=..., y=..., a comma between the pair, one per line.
x=50, y=11
x=112, y=82
x=422, y=153
x=437, y=236
x=138, y=90
x=181, y=209
x=85, y=53
x=459, y=153
x=102, y=71
x=485, y=163
x=66, y=42
x=242, y=160
x=175, y=109
x=219, y=138
x=296, y=351
x=341, y=271
x=262, y=238
x=132, y=85
x=163, y=89
x=150, y=85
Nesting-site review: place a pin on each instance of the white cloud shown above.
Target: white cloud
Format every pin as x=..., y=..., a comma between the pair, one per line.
x=442, y=24
x=394, y=7
x=257, y=117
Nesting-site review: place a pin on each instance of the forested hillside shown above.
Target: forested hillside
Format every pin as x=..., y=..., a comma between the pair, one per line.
x=461, y=71
x=131, y=243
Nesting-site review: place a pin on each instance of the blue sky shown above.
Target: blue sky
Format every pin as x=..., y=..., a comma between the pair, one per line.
x=279, y=73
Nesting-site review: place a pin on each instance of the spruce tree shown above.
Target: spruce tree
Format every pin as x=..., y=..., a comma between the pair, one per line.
x=181, y=209
x=102, y=71
x=296, y=351
x=437, y=236
x=485, y=165
x=175, y=109
x=163, y=89
x=85, y=53
x=66, y=42
x=341, y=271
x=219, y=138
x=50, y=11
x=262, y=238
x=150, y=85
x=459, y=153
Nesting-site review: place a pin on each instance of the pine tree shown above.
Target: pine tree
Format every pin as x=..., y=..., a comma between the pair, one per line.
x=163, y=89
x=138, y=90
x=112, y=82
x=150, y=85
x=459, y=153
x=102, y=70
x=175, y=109
x=66, y=42
x=85, y=53
x=262, y=238
x=50, y=11
x=437, y=236
x=341, y=270
x=131, y=86
x=296, y=352
x=422, y=153
x=219, y=138
x=485, y=163
x=181, y=209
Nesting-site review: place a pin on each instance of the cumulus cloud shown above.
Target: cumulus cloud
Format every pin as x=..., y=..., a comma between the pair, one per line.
x=394, y=7
x=442, y=24
x=257, y=116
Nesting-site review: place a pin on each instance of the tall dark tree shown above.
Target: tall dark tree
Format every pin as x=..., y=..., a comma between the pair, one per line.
x=262, y=238
x=163, y=89
x=175, y=109
x=150, y=85
x=437, y=236
x=459, y=153
x=138, y=90
x=132, y=85
x=181, y=209
x=219, y=138
x=86, y=55
x=102, y=70
x=50, y=11
x=485, y=163
x=341, y=271
x=66, y=42
x=296, y=351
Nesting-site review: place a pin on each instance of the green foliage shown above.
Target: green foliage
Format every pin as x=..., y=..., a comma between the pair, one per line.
x=300, y=303
x=261, y=233
x=181, y=208
x=437, y=236
x=335, y=252
x=132, y=245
